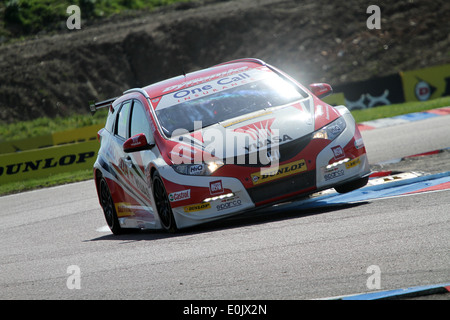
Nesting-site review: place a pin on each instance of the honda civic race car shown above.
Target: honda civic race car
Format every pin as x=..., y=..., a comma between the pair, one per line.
x=218, y=142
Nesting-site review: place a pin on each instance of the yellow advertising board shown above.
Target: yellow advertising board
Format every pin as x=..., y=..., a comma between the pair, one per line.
x=88, y=133
x=26, y=144
x=427, y=83
x=76, y=135
x=43, y=162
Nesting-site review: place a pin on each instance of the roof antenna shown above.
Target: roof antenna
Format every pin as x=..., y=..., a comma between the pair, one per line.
x=178, y=53
x=183, y=70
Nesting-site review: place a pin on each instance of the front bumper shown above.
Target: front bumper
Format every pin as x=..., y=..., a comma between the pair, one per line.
x=232, y=200
x=237, y=198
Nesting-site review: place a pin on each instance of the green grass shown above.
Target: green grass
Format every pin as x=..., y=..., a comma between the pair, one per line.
x=50, y=181
x=42, y=126
x=46, y=125
x=399, y=109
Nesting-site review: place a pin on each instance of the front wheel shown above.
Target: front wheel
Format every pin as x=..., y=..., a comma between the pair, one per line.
x=163, y=204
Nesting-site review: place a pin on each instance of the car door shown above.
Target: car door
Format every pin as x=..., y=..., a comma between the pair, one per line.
x=136, y=162
x=118, y=161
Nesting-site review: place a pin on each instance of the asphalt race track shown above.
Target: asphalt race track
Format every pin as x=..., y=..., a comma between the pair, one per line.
x=407, y=139
x=55, y=243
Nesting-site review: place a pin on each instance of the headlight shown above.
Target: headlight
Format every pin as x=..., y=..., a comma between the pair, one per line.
x=198, y=169
x=331, y=131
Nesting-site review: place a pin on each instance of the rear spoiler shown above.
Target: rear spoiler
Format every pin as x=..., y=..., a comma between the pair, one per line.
x=94, y=106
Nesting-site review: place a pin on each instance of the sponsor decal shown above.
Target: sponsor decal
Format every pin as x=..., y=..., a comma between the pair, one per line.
x=335, y=129
x=353, y=163
x=259, y=130
x=262, y=135
x=270, y=174
x=333, y=175
x=338, y=152
x=423, y=90
x=329, y=168
x=195, y=92
x=206, y=78
x=229, y=204
x=267, y=142
x=197, y=207
x=180, y=195
x=196, y=169
x=123, y=209
x=205, y=86
x=215, y=187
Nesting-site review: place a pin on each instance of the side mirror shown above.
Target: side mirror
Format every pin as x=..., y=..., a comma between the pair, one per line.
x=321, y=90
x=136, y=143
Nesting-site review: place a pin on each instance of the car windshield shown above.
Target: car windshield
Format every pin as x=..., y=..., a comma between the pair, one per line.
x=229, y=102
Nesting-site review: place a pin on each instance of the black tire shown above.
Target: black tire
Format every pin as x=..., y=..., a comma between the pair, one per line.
x=109, y=209
x=162, y=204
x=352, y=185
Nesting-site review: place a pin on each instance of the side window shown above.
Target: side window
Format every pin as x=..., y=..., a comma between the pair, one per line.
x=139, y=120
x=110, y=121
x=122, y=120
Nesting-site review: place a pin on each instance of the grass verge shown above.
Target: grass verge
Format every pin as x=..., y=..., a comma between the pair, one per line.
x=42, y=126
x=48, y=125
x=50, y=181
x=21, y=18
x=399, y=109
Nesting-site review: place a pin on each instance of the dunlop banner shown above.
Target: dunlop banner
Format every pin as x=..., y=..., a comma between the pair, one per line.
x=47, y=161
x=426, y=84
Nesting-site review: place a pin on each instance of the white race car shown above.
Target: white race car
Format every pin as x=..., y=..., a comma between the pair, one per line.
x=220, y=141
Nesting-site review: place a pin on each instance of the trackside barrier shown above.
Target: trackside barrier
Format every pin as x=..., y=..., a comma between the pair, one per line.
x=58, y=138
x=44, y=162
x=26, y=144
x=77, y=135
x=426, y=84
x=409, y=86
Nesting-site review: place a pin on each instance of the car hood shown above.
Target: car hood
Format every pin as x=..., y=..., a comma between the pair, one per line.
x=256, y=132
